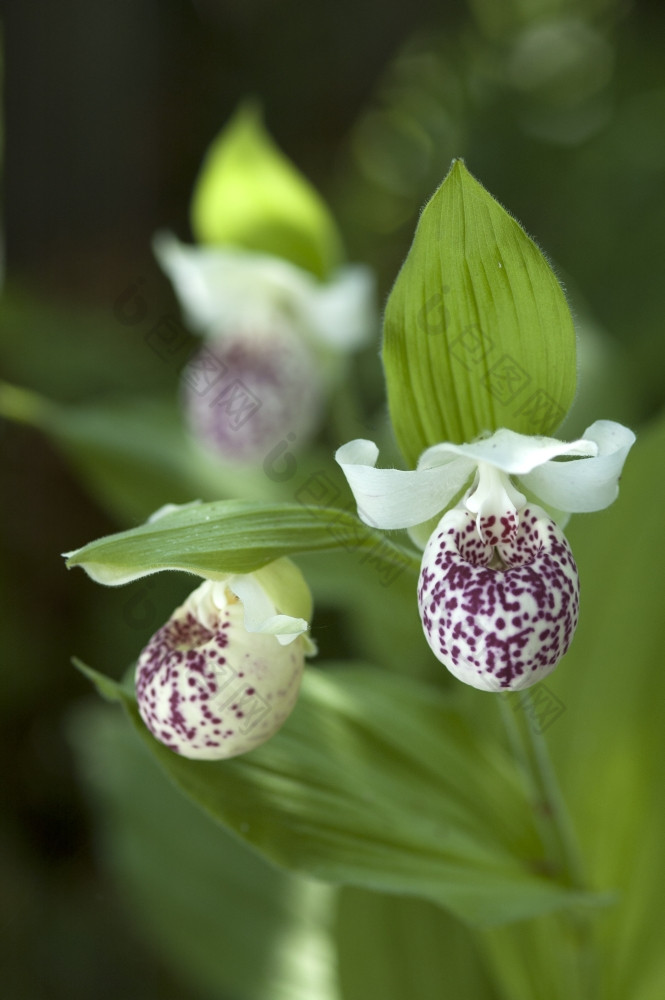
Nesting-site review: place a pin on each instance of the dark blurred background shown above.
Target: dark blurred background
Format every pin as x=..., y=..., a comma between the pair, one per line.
x=558, y=107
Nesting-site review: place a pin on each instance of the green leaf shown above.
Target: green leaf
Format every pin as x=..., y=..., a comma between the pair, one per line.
x=129, y=452
x=477, y=331
x=104, y=352
x=545, y=957
x=232, y=536
x=250, y=195
x=214, y=910
x=378, y=781
x=395, y=947
x=133, y=452
x=609, y=743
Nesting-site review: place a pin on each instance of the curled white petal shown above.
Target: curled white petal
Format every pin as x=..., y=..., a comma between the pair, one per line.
x=587, y=484
x=513, y=453
x=393, y=498
x=261, y=614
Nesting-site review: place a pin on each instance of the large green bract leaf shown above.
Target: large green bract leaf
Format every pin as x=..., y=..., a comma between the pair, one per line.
x=233, y=536
x=378, y=781
x=248, y=194
x=477, y=331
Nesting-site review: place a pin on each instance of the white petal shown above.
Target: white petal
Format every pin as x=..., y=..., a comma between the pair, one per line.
x=342, y=313
x=589, y=483
x=513, y=453
x=392, y=498
x=261, y=614
x=221, y=288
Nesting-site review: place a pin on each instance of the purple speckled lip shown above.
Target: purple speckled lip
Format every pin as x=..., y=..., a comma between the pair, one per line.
x=209, y=689
x=498, y=597
x=260, y=386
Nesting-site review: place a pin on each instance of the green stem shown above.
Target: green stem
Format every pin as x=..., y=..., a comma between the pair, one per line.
x=562, y=854
x=563, y=858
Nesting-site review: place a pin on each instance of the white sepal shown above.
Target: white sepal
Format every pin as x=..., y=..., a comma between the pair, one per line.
x=509, y=451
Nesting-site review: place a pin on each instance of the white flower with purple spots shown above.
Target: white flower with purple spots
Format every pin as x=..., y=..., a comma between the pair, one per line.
x=498, y=591
x=223, y=674
x=275, y=342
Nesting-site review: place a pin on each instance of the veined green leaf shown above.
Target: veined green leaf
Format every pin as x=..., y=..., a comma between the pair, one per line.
x=232, y=536
x=249, y=194
x=478, y=334
x=378, y=781
x=221, y=917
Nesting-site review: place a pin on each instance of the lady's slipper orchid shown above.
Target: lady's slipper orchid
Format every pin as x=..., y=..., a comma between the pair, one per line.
x=223, y=674
x=275, y=339
x=498, y=590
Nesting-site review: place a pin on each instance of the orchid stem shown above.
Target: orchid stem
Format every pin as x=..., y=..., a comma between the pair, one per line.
x=563, y=857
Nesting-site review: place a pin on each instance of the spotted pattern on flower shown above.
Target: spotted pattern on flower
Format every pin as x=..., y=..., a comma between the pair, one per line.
x=211, y=690
x=263, y=386
x=498, y=591
x=498, y=597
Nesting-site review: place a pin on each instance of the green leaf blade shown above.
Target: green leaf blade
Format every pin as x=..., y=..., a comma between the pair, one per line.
x=377, y=781
x=232, y=536
x=478, y=334
x=220, y=916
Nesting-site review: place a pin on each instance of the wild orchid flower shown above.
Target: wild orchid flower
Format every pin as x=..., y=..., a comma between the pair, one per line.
x=223, y=674
x=498, y=592
x=275, y=340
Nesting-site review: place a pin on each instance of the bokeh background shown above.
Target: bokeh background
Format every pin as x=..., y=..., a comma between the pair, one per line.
x=558, y=106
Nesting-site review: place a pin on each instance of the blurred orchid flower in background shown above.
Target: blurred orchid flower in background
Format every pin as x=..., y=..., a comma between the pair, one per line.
x=266, y=290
